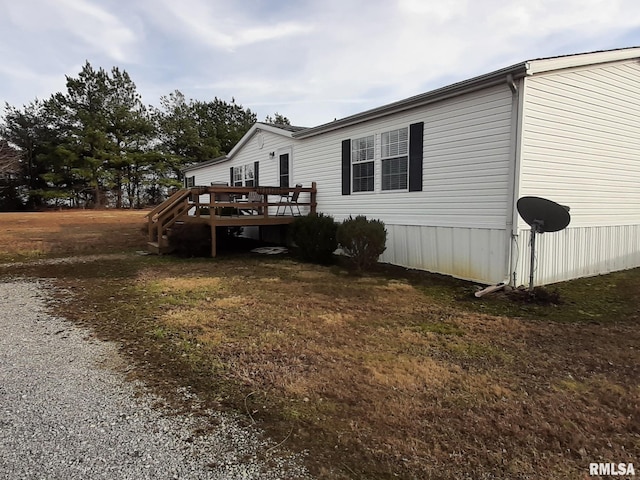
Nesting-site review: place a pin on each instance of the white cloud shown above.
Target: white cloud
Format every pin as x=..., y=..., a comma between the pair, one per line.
x=215, y=24
x=311, y=61
x=73, y=24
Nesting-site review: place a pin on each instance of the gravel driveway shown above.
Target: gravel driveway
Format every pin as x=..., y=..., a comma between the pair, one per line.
x=66, y=411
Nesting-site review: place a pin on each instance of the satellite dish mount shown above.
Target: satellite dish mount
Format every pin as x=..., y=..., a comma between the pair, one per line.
x=543, y=216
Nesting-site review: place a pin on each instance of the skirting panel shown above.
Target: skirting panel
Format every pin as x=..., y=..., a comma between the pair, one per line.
x=578, y=252
x=469, y=253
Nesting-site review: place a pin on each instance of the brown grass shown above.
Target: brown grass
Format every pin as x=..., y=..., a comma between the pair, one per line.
x=68, y=232
x=381, y=376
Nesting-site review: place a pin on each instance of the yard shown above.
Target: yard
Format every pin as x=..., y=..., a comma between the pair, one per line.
x=395, y=374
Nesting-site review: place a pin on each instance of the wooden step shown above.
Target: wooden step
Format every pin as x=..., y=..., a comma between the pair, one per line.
x=159, y=249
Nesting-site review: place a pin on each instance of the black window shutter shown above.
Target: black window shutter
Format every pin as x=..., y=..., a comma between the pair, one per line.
x=231, y=177
x=346, y=167
x=416, y=133
x=256, y=178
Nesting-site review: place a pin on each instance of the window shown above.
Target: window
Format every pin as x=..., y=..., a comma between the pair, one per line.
x=244, y=176
x=395, y=159
x=190, y=181
x=362, y=160
x=284, y=170
x=396, y=156
x=248, y=175
x=238, y=176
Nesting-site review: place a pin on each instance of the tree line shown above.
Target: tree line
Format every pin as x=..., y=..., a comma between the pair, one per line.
x=98, y=145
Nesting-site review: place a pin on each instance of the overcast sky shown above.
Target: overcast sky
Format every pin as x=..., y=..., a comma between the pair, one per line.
x=310, y=60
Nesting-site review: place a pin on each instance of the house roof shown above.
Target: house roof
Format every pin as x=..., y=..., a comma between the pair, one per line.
x=504, y=75
x=497, y=77
x=206, y=163
x=281, y=126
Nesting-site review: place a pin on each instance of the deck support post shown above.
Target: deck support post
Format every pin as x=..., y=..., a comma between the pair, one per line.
x=313, y=200
x=213, y=240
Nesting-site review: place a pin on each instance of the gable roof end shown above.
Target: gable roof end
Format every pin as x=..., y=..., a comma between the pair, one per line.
x=549, y=64
x=284, y=130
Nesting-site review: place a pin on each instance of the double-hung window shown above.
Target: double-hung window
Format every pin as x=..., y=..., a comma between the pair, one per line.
x=395, y=159
x=362, y=161
x=238, y=176
x=244, y=176
x=249, y=175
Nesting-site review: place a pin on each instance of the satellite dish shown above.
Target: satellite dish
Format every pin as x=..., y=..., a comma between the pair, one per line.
x=544, y=216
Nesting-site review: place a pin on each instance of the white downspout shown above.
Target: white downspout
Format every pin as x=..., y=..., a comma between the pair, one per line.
x=517, y=109
x=514, y=168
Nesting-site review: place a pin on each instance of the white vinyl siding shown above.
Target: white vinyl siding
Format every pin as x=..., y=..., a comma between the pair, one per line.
x=466, y=146
x=247, y=155
x=581, y=148
x=581, y=142
x=457, y=224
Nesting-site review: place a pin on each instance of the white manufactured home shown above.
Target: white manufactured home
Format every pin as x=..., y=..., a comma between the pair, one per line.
x=444, y=170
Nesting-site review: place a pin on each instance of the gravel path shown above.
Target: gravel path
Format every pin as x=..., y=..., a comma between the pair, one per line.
x=67, y=413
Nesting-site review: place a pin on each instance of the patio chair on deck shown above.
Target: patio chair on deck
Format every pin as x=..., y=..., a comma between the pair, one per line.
x=253, y=197
x=289, y=200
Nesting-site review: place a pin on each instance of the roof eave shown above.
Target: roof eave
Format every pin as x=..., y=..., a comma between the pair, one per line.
x=494, y=78
x=206, y=163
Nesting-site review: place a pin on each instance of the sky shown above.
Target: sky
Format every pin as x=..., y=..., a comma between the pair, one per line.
x=310, y=60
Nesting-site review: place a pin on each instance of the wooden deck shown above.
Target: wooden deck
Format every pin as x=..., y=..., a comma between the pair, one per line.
x=221, y=206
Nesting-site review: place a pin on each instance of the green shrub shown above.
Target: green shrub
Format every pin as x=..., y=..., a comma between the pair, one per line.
x=362, y=240
x=315, y=237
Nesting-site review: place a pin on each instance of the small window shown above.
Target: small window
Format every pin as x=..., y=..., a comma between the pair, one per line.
x=395, y=160
x=362, y=160
x=249, y=175
x=190, y=181
x=237, y=176
x=284, y=170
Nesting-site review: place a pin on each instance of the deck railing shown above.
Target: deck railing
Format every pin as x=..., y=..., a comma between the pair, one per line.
x=224, y=201
x=225, y=205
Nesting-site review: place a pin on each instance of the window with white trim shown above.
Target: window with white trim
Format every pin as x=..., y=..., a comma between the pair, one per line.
x=249, y=175
x=244, y=175
x=238, y=176
x=395, y=159
x=362, y=164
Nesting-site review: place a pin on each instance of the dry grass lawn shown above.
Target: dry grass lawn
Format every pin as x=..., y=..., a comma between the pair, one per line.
x=390, y=375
